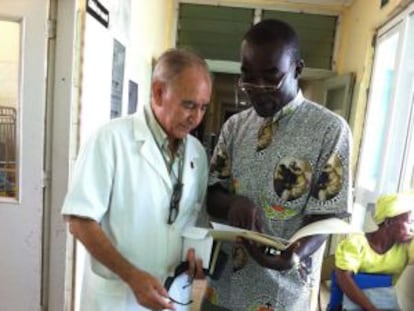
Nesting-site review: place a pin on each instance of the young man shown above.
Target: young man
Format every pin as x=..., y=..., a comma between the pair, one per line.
x=138, y=182
x=277, y=166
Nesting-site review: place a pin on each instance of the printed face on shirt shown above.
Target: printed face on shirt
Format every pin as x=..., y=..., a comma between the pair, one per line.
x=180, y=105
x=270, y=74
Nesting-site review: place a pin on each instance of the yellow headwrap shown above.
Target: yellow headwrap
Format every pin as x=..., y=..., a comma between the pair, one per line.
x=392, y=205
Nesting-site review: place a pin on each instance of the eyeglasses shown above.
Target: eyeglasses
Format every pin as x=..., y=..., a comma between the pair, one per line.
x=248, y=87
x=183, y=287
x=180, y=303
x=264, y=88
x=178, y=285
x=175, y=202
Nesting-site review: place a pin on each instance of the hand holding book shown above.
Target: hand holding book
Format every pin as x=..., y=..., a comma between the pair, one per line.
x=326, y=226
x=201, y=239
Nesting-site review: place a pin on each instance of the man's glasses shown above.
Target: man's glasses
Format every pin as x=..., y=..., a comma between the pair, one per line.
x=175, y=202
x=179, y=284
x=184, y=287
x=180, y=303
x=248, y=87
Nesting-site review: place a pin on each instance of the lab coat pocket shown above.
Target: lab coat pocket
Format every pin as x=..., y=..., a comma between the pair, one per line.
x=103, y=294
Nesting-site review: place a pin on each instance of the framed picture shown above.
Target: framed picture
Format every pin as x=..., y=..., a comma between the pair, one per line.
x=132, y=97
x=118, y=67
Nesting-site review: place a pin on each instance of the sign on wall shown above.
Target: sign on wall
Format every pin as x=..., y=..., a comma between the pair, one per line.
x=118, y=67
x=98, y=11
x=132, y=97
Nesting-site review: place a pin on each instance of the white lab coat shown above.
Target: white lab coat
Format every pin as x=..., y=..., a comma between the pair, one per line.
x=121, y=181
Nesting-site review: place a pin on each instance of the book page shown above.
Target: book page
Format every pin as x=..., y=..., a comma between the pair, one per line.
x=326, y=226
x=200, y=240
x=228, y=233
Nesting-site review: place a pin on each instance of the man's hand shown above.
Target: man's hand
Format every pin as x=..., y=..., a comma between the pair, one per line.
x=195, y=265
x=243, y=214
x=199, y=284
x=148, y=291
x=237, y=210
x=283, y=261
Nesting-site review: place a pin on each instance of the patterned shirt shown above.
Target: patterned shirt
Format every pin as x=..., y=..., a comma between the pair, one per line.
x=295, y=165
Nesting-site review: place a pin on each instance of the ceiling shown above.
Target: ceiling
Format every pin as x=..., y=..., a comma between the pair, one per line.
x=324, y=2
x=327, y=3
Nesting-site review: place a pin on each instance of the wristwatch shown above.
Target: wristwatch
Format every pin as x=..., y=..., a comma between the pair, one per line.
x=295, y=259
x=271, y=251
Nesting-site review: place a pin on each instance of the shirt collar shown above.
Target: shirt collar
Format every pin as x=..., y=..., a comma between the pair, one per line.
x=159, y=134
x=290, y=107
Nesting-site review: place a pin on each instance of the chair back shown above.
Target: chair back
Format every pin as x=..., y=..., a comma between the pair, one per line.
x=363, y=280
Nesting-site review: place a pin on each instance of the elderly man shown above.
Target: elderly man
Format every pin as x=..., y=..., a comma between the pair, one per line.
x=277, y=166
x=138, y=182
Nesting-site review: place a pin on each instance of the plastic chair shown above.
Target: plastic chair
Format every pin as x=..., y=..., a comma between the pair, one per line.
x=363, y=280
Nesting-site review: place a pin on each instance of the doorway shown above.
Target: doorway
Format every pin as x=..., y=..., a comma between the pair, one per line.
x=23, y=60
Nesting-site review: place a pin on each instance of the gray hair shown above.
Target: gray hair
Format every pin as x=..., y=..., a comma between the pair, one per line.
x=174, y=61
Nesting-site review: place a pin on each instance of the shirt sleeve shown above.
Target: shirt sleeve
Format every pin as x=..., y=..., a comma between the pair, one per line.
x=348, y=254
x=203, y=218
x=330, y=191
x=221, y=160
x=89, y=193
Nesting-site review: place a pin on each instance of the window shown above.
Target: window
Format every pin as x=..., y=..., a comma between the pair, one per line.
x=387, y=153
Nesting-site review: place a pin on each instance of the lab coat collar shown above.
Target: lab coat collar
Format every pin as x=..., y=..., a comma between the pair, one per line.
x=151, y=153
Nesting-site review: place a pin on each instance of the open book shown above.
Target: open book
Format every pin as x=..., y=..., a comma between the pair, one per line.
x=333, y=225
x=201, y=239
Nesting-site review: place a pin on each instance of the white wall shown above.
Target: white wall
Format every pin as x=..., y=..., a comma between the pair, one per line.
x=147, y=36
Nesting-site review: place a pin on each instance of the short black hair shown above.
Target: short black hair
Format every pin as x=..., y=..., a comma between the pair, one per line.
x=272, y=31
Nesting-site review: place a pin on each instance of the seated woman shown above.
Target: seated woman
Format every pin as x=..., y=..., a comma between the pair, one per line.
x=383, y=251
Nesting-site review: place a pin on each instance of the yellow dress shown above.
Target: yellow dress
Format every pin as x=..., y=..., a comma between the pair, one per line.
x=411, y=253
x=356, y=255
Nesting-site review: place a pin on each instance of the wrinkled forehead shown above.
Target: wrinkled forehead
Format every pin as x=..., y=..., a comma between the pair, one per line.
x=191, y=74
x=265, y=56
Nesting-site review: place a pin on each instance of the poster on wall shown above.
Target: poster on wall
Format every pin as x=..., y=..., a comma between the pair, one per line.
x=132, y=97
x=97, y=9
x=118, y=67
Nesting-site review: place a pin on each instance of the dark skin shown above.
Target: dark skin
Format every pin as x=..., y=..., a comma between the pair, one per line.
x=391, y=231
x=265, y=64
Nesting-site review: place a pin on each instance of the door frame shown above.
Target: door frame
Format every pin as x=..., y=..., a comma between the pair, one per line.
x=346, y=82
x=22, y=218
x=60, y=142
